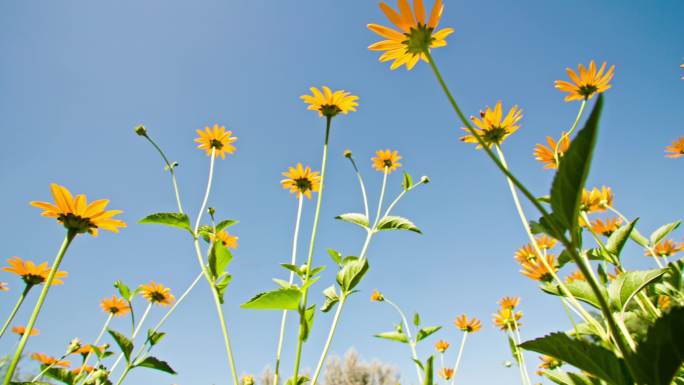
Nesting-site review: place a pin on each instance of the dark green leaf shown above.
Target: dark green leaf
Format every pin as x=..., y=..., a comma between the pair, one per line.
x=429, y=372
x=155, y=363
x=392, y=222
x=178, y=220
x=280, y=299
x=225, y=223
x=394, y=336
x=616, y=242
x=154, y=336
x=351, y=273
x=124, y=343
x=335, y=255
x=628, y=284
x=219, y=258
x=308, y=325
x=426, y=332
x=416, y=319
x=662, y=232
x=569, y=378
x=331, y=298
x=580, y=289
x=60, y=374
x=355, y=218
x=221, y=285
x=407, y=183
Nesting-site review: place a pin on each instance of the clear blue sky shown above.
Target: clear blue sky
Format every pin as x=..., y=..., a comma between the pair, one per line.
x=77, y=76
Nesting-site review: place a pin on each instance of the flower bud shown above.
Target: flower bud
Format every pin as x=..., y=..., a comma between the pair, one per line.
x=141, y=130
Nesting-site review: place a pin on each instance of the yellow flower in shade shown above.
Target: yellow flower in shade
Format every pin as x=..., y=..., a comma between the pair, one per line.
x=415, y=34
x=442, y=346
x=22, y=329
x=509, y=302
x=228, y=240
x=548, y=155
x=330, y=103
x=115, y=306
x=507, y=319
x=31, y=273
x=525, y=254
x=3, y=286
x=666, y=248
x=664, y=302
x=77, y=215
x=446, y=373
x=545, y=242
x=247, y=380
x=575, y=276
x=597, y=200
x=588, y=82
x=536, y=270
x=548, y=363
x=80, y=369
x=218, y=139
x=607, y=227
x=386, y=160
x=676, y=149
x=377, y=296
x=301, y=180
x=470, y=326
x=48, y=360
x=157, y=293
x=87, y=349
x=492, y=126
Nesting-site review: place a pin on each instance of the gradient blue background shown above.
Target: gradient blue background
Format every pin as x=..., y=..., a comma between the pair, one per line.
x=77, y=76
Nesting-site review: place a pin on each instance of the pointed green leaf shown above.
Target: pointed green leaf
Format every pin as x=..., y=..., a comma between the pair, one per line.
x=280, y=299
x=124, y=290
x=178, y=220
x=429, y=372
x=309, y=318
x=355, y=218
x=219, y=258
x=662, y=232
x=154, y=336
x=124, y=343
x=331, y=298
x=351, y=273
x=426, y=332
x=580, y=289
x=394, y=336
x=155, y=363
x=616, y=242
x=569, y=378
x=416, y=319
x=628, y=284
x=407, y=183
x=221, y=285
x=392, y=222
x=335, y=256
x=226, y=223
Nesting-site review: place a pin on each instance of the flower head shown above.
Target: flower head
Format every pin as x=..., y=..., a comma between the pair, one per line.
x=88, y=349
x=22, y=329
x=230, y=241
x=548, y=363
x=446, y=373
x=80, y=369
x=376, y=296
x=550, y=156
x=157, y=293
x=509, y=302
x=247, y=380
x=115, y=306
x=575, y=276
x=415, y=35
x=492, y=126
x=442, y=346
x=665, y=248
x=597, y=200
x=301, y=180
x=48, y=360
x=329, y=103
x=386, y=160
x=607, y=227
x=545, y=242
x=217, y=139
x=507, y=319
x=31, y=273
x=470, y=326
x=536, y=270
x=525, y=254
x=676, y=149
x=664, y=302
x=588, y=82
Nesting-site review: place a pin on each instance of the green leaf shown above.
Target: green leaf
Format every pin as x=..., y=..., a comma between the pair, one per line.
x=662, y=232
x=426, y=332
x=335, y=255
x=392, y=222
x=280, y=299
x=355, y=218
x=593, y=359
x=568, y=183
x=394, y=336
x=569, y=378
x=221, y=285
x=308, y=325
x=351, y=273
x=309, y=282
x=292, y=268
x=155, y=363
x=219, y=258
x=124, y=290
x=178, y=220
x=154, y=336
x=416, y=319
x=331, y=298
x=283, y=283
x=429, y=372
x=407, y=183
x=30, y=383
x=301, y=380
x=226, y=223
x=60, y=374
x=616, y=242
x=638, y=238
x=628, y=284
x=124, y=343
x=660, y=355
x=580, y=289
x=515, y=351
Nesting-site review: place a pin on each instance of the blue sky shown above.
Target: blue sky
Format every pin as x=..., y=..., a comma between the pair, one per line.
x=77, y=76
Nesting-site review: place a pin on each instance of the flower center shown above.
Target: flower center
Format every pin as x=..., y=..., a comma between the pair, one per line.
x=387, y=163
x=587, y=90
x=303, y=184
x=494, y=135
x=330, y=110
x=215, y=143
x=157, y=296
x=33, y=279
x=76, y=223
x=419, y=39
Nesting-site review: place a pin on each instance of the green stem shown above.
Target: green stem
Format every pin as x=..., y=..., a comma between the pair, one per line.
x=135, y=334
x=170, y=167
x=523, y=365
x=97, y=340
x=21, y=299
x=569, y=133
x=293, y=261
x=328, y=341
x=36, y=309
x=459, y=356
x=572, y=319
x=362, y=185
x=123, y=375
x=382, y=197
x=412, y=343
x=48, y=367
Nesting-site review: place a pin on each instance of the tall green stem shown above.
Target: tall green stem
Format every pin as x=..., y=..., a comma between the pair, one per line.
x=97, y=340
x=170, y=166
x=136, y=330
x=412, y=343
x=328, y=341
x=36, y=309
x=293, y=261
x=362, y=185
x=458, y=357
x=572, y=129
x=20, y=301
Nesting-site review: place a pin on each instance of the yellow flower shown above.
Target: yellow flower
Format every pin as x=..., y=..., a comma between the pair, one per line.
x=525, y=254
x=47, y=360
x=507, y=319
x=77, y=215
x=492, y=126
x=217, y=139
x=548, y=363
x=509, y=302
x=666, y=248
x=157, y=293
x=87, y=349
x=575, y=276
x=548, y=155
x=663, y=302
x=675, y=150
x=301, y=180
x=22, y=329
x=597, y=200
x=377, y=296
x=587, y=83
x=545, y=242
x=442, y=346
x=446, y=373
x=31, y=273
x=80, y=369
x=606, y=228
x=228, y=240
x=247, y=380
x=115, y=306
x=386, y=161
x=470, y=326
x=329, y=103
x=536, y=270
x=414, y=37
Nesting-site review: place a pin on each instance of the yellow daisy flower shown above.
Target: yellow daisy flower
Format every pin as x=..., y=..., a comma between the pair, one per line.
x=545, y=242
x=575, y=276
x=88, y=348
x=665, y=248
x=329, y=103
x=301, y=180
x=597, y=200
x=386, y=160
x=217, y=139
x=442, y=346
x=587, y=83
x=22, y=329
x=415, y=34
x=471, y=326
x=507, y=319
x=493, y=127
x=376, y=296
x=548, y=155
x=607, y=227
x=536, y=270
x=157, y=293
x=675, y=150
x=664, y=302
x=509, y=302
x=525, y=254
x=31, y=273
x=230, y=241
x=48, y=360
x=115, y=306
x=77, y=215
x=80, y=369
x=548, y=363
x=446, y=373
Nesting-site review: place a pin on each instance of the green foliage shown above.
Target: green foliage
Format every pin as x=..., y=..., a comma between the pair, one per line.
x=309, y=315
x=395, y=335
x=579, y=289
x=279, y=299
x=429, y=372
x=355, y=218
x=616, y=242
x=155, y=336
x=123, y=342
x=662, y=232
x=425, y=332
x=628, y=284
x=407, y=182
x=222, y=284
x=178, y=220
x=351, y=273
x=219, y=258
x=331, y=298
x=392, y=222
x=154, y=363
x=569, y=378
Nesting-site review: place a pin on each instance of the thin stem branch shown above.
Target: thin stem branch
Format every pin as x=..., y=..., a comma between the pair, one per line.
x=361, y=184
x=20, y=301
x=171, y=167
x=459, y=356
x=412, y=343
x=328, y=340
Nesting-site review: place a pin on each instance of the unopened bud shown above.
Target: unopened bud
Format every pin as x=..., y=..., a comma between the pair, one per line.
x=141, y=130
